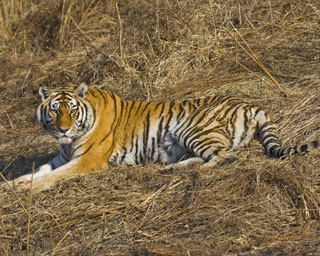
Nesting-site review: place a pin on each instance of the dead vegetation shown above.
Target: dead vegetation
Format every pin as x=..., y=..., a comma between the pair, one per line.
x=266, y=51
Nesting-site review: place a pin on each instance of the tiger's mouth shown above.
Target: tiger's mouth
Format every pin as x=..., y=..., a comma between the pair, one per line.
x=63, y=138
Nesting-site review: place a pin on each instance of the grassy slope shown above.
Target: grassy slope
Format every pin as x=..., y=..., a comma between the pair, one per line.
x=164, y=50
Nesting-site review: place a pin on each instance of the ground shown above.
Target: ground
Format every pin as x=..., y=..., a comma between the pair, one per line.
x=264, y=51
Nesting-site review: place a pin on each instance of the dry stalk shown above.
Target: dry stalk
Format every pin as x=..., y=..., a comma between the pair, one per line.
x=60, y=242
x=243, y=66
x=86, y=12
x=287, y=38
x=306, y=209
x=165, y=227
x=296, y=108
x=25, y=79
x=80, y=30
x=7, y=108
x=164, y=218
x=120, y=31
x=103, y=225
x=4, y=19
x=65, y=16
x=5, y=234
x=7, y=115
x=152, y=196
x=255, y=58
x=8, y=165
x=14, y=193
x=29, y=210
x=271, y=15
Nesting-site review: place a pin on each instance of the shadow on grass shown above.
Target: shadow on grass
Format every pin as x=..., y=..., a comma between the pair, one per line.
x=23, y=165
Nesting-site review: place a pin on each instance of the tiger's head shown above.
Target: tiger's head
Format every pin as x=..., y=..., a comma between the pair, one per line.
x=65, y=113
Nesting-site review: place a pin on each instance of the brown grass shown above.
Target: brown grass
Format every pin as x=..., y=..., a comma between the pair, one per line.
x=265, y=51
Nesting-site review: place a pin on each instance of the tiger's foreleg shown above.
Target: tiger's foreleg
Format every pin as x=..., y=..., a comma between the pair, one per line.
x=63, y=172
x=47, y=175
x=38, y=173
x=48, y=178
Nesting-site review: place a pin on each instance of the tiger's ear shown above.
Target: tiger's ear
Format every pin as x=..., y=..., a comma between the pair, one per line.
x=44, y=92
x=81, y=90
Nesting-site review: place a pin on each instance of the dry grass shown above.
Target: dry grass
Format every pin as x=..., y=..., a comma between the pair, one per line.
x=266, y=51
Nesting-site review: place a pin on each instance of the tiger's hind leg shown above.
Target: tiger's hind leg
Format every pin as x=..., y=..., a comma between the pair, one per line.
x=207, y=154
x=221, y=157
x=184, y=163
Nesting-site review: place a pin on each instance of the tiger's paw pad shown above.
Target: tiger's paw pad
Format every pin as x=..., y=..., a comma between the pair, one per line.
x=21, y=185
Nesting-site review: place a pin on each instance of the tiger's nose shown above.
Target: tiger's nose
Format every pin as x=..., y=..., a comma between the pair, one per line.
x=63, y=130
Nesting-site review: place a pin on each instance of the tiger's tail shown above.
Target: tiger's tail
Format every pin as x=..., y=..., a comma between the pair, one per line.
x=272, y=144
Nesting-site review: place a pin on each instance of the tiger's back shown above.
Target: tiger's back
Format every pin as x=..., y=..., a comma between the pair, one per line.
x=97, y=130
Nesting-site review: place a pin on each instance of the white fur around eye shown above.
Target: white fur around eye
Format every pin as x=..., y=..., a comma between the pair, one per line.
x=54, y=105
x=72, y=104
x=73, y=107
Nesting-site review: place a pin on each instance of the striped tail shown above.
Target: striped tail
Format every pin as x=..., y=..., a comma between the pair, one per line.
x=272, y=144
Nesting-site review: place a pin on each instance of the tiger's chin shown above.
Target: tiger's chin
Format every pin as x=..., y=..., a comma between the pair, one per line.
x=65, y=140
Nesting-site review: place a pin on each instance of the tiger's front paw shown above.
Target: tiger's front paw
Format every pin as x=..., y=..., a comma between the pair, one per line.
x=20, y=183
x=23, y=183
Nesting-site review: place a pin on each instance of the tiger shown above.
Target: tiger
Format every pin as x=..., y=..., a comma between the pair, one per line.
x=97, y=130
